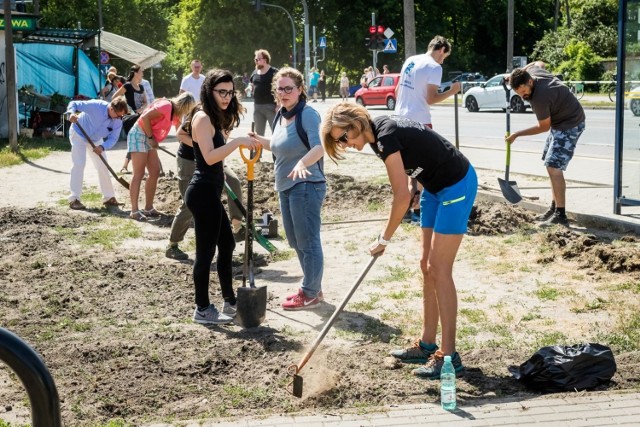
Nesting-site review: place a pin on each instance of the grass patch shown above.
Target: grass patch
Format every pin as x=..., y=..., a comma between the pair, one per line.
x=375, y=206
x=530, y=316
x=596, y=304
x=626, y=334
x=630, y=286
x=549, y=338
x=351, y=246
x=113, y=232
x=282, y=255
x=473, y=315
x=370, y=304
x=30, y=149
x=547, y=293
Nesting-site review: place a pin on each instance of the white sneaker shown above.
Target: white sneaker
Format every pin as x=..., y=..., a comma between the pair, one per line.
x=228, y=309
x=210, y=316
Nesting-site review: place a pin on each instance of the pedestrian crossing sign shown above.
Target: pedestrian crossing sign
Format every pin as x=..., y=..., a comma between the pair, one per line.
x=390, y=46
x=323, y=43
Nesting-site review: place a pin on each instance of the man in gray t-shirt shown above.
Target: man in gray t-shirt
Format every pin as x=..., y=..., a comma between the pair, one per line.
x=558, y=112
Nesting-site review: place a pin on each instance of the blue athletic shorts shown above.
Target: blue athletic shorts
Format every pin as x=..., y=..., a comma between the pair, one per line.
x=137, y=140
x=560, y=146
x=447, y=211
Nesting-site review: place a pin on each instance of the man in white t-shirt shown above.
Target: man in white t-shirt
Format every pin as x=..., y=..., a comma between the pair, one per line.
x=193, y=82
x=420, y=79
x=417, y=89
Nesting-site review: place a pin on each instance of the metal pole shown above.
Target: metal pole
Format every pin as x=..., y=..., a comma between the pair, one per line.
x=34, y=375
x=306, y=40
x=510, y=13
x=315, y=51
x=293, y=30
x=373, y=52
x=409, y=29
x=619, y=136
x=12, y=102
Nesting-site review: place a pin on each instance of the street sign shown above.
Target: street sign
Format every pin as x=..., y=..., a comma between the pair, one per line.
x=390, y=46
x=323, y=43
x=104, y=57
x=104, y=69
x=388, y=33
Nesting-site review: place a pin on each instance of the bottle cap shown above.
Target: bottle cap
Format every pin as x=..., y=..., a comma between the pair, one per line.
x=447, y=358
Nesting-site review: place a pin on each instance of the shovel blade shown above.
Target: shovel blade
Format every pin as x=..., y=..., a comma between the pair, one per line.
x=297, y=386
x=510, y=190
x=251, y=306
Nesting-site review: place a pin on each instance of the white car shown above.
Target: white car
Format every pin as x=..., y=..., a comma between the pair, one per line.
x=491, y=95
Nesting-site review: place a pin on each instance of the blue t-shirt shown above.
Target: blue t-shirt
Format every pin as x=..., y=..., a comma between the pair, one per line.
x=313, y=80
x=288, y=149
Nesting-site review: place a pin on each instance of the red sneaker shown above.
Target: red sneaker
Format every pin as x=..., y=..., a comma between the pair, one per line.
x=300, y=302
x=300, y=293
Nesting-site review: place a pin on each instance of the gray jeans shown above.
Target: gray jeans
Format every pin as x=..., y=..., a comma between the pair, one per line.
x=182, y=220
x=263, y=114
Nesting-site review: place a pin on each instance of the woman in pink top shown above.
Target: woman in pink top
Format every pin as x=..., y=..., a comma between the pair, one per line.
x=152, y=127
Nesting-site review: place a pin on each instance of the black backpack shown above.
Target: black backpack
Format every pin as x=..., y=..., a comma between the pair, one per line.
x=302, y=133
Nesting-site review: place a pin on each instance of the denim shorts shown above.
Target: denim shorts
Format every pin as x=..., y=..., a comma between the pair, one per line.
x=137, y=140
x=447, y=211
x=560, y=146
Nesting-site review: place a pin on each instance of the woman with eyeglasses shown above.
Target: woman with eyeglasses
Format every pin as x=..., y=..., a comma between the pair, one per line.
x=152, y=127
x=205, y=128
x=300, y=181
x=450, y=187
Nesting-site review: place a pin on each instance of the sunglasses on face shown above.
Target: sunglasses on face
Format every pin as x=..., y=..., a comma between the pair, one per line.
x=344, y=138
x=286, y=89
x=258, y=59
x=225, y=93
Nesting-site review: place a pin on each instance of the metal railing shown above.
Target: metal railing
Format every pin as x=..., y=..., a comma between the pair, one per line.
x=27, y=364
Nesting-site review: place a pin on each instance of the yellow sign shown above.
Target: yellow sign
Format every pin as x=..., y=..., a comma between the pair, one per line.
x=20, y=24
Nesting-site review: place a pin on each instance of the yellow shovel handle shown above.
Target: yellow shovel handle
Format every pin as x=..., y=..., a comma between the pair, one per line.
x=250, y=161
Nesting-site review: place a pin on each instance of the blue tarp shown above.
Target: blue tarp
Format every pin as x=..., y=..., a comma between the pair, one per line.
x=49, y=69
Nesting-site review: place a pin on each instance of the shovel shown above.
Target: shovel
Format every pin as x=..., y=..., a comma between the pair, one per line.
x=509, y=189
x=294, y=370
x=252, y=300
x=258, y=237
x=121, y=180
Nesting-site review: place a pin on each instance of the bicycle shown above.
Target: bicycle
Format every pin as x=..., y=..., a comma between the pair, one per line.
x=576, y=88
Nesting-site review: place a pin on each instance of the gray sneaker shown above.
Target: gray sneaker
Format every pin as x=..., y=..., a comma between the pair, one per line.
x=210, y=316
x=174, y=252
x=415, y=354
x=228, y=309
x=545, y=216
x=431, y=370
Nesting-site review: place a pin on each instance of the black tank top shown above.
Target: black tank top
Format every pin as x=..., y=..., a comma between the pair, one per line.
x=209, y=174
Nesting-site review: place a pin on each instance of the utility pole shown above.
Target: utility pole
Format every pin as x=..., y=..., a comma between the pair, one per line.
x=510, y=13
x=409, y=29
x=307, y=56
x=12, y=102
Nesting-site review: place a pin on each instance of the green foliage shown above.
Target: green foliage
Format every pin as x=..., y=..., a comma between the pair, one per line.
x=581, y=62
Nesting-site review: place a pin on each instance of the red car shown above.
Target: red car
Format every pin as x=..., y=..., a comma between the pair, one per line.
x=379, y=91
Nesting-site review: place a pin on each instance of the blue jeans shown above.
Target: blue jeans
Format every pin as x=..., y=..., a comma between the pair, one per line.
x=300, y=206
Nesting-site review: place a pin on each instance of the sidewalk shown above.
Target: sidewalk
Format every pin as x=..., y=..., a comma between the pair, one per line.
x=579, y=409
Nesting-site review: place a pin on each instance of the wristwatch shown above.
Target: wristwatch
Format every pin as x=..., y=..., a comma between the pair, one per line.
x=383, y=242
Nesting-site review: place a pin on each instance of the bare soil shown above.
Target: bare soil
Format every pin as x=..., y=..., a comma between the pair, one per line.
x=113, y=324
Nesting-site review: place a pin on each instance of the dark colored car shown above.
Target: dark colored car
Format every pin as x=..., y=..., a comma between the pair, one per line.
x=468, y=80
x=381, y=90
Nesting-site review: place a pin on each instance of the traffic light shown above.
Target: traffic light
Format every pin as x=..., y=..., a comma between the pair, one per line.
x=373, y=38
x=380, y=38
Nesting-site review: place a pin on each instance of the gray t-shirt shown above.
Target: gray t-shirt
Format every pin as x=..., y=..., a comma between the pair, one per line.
x=288, y=149
x=553, y=99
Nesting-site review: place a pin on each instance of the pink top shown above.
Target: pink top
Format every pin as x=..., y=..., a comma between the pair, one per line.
x=160, y=127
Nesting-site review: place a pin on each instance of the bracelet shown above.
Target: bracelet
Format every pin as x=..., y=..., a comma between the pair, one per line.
x=381, y=240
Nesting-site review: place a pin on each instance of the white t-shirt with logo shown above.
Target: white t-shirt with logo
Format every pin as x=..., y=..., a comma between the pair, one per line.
x=193, y=85
x=417, y=73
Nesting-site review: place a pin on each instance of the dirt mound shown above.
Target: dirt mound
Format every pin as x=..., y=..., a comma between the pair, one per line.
x=619, y=256
x=497, y=218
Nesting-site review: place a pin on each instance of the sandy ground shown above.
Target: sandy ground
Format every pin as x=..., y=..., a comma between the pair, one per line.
x=113, y=323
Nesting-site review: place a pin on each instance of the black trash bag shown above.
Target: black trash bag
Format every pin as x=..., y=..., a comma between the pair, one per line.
x=562, y=368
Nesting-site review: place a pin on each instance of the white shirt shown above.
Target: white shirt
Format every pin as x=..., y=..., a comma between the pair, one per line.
x=148, y=91
x=418, y=72
x=193, y=85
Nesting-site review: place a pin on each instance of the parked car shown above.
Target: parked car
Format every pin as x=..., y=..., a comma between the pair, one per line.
x=381, y=90
x=491, y=95
x=468, y=80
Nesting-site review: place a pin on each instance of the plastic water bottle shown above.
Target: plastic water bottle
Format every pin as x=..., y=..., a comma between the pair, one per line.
x=448, y=385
